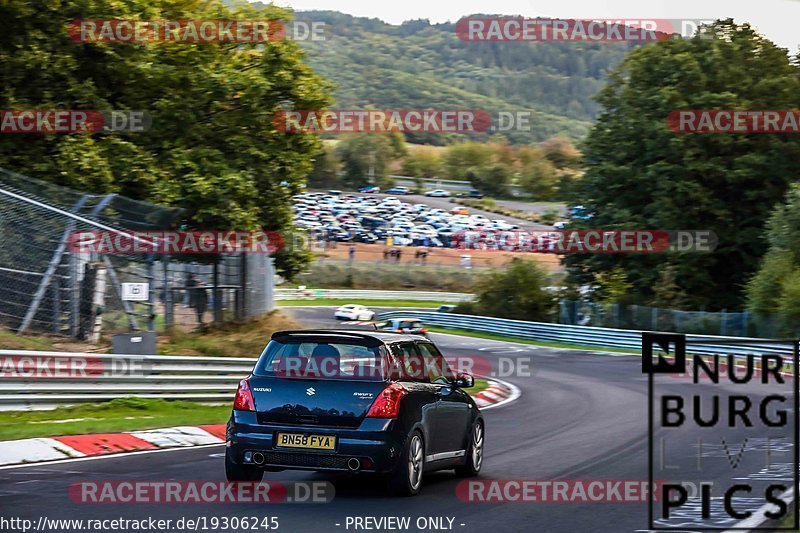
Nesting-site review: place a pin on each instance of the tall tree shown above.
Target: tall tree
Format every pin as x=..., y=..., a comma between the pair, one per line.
x=640, y=174
x=773, y=290
x=366, y=155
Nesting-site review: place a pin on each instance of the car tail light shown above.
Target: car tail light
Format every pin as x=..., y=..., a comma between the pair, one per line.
x=387, y=404
x=244, y=397
x=423, y=330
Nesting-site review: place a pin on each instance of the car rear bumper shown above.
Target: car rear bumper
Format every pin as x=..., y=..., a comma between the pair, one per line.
x=373, y=443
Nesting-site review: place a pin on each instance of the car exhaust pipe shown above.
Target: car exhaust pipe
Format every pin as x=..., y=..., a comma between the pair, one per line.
x=258, y=458
x=354, y=464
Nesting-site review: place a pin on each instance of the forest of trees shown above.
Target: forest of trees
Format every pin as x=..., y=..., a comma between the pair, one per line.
x=544, y=171
x=421, y=64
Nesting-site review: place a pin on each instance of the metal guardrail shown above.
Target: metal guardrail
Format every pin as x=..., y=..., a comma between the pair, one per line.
x=42, y=380
x=585, y=335
x=311, y=294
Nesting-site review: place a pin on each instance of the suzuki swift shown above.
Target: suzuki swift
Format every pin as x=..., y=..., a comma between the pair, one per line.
x=357, y=401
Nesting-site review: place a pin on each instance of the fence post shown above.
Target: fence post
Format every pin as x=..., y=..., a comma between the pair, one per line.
x=217, y=294
x=56, y=305
x=74, y=296
x=242, y=292
x=151, y=297
x=98, y=302
x=168, y=310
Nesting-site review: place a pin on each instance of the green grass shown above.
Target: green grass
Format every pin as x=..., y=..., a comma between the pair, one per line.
x=368, y=303
x=120, y=414
x=11, y=341
x=480, y=384
x=509, y=338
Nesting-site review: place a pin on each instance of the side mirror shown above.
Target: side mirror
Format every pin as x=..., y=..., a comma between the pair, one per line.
x=464, y=381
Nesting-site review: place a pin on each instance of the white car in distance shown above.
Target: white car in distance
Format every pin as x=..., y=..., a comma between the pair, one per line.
x=353, y=312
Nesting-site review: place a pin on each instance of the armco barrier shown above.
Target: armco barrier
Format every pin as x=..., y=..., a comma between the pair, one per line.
x=588, y=336
x=214, y=379
x=198, y=379
x=347, y=294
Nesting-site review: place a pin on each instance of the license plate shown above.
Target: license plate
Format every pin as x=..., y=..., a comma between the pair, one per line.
x=311, y=442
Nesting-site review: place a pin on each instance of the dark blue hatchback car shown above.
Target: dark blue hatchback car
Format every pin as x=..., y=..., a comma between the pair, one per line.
x=357, y=401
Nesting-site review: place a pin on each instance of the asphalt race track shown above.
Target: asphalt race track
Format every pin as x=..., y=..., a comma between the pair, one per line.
x=581, y=415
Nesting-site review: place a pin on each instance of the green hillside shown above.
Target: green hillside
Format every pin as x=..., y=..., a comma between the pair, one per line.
x=423, y=65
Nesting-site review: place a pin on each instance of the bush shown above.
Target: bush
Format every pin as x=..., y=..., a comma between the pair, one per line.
x=518, y=292
x=550, y=217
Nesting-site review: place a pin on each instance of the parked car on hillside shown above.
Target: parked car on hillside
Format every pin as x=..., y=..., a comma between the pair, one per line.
x=474, y=193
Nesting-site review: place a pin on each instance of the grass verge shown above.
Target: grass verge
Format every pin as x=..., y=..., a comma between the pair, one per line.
x=509, y=338
x=368, y=303
x=480, y=384
x=120, y=414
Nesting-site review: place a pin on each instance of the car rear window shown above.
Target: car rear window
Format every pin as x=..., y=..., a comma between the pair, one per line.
x=322, y=360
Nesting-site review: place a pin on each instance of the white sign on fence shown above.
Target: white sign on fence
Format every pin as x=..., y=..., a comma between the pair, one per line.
x=136, y=292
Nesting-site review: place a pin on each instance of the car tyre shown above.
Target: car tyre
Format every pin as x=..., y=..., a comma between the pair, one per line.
x=406, y=479
x=474, y=460
x=237, y=472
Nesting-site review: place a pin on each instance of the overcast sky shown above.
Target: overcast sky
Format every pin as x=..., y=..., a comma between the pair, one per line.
x=774, y=18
